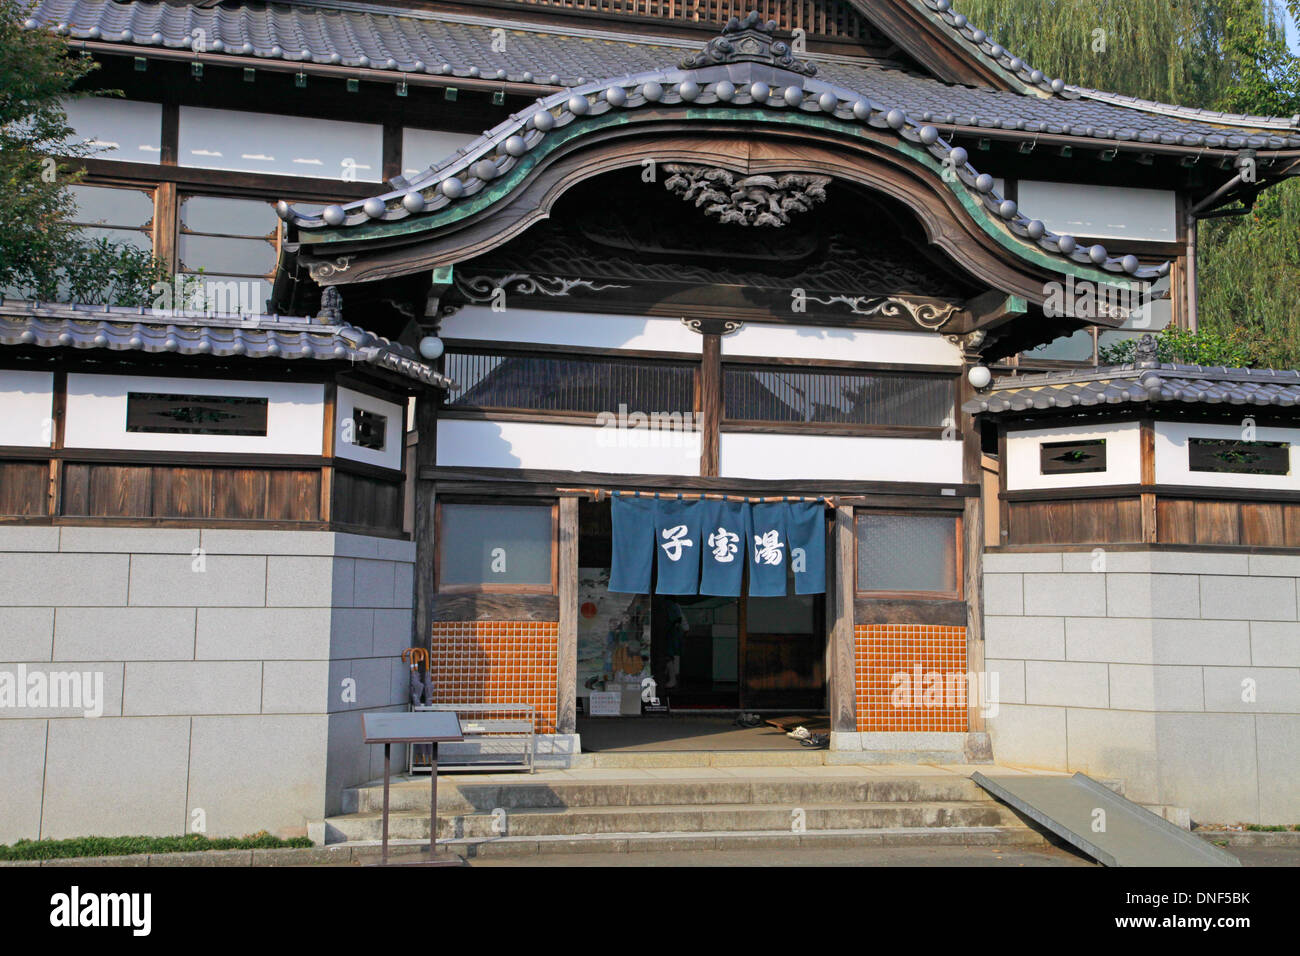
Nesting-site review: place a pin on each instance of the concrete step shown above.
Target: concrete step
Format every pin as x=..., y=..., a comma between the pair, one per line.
x=463, y=795
x=643, y=759
x=681, y=819
x=475, y=847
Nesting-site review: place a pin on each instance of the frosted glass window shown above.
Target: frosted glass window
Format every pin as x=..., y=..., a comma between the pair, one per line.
x=221, y=254
x=422, y=148
x=1105, y=212
x=123, y=130
x=282, y=145
x=118, y=215
x=488, y=546
x=907, y=552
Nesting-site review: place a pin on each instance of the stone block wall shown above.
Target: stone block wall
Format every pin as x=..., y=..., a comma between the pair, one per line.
x=1177, y=671
x=235, y=666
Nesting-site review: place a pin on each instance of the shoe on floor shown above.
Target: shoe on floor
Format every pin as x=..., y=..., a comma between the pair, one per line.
x=816, y=740
x=800, y=733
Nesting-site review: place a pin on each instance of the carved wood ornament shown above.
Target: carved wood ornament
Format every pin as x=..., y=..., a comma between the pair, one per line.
x=760, y=200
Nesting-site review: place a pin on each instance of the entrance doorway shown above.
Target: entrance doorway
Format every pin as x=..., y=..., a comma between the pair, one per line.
x=693, y=652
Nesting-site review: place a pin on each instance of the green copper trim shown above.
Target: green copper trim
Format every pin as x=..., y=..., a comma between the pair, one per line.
x=554, y=140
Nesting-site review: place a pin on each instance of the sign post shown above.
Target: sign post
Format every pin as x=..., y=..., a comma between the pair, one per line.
x=430, y=728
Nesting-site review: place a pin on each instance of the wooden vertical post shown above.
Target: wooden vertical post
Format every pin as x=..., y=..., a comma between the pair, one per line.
x=710, y=403
x=973, y=545
x=327, y=451
x=1150, y=530
x=58, y=418
x=566, y=680
x=426, y=430
x=844, y=684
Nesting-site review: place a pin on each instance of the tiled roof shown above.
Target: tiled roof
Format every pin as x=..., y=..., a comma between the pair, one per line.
x=1150, y=382
x=747, y=66
x=330, y=32
x=116, y=328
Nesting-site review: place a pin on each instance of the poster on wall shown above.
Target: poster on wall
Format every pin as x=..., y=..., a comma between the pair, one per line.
x=613, y=639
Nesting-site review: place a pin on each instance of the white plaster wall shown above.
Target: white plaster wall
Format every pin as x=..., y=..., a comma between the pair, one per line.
x=834, y=457
x=223, y=689
x=1172, y=463
x=391, y=454
x=96, y=415
x=1106, y=212
x=848, y=345
x=1123, y=457
x=1177, y=672
x=26, y=408
x=501, y=444
x=571, y=328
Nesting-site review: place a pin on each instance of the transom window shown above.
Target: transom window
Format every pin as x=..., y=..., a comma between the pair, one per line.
x=1071, y=457
x=568, y=383
x=1239, y=457
x=836, y=396
x=195, y=414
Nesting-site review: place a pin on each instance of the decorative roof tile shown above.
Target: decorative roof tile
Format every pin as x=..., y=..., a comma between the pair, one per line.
x=47, y=325
x=338, y=33
x=1144, y=380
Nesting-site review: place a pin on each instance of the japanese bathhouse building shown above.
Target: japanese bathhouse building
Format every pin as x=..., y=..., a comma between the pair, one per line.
x=636, y=353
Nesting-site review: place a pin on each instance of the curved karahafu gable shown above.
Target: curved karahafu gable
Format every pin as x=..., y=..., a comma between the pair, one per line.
x=746, y=76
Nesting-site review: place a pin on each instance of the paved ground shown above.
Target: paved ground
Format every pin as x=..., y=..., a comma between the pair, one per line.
x=867, y=856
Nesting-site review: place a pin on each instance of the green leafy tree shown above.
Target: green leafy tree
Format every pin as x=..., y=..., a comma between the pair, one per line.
x=1233, y=349
x=40, y=253
x=1229, y=55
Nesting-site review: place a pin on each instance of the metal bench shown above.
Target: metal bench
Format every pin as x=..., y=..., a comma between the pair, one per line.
x=506, y=740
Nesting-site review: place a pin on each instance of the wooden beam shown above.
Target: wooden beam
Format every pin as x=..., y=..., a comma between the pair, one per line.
x=710, y=400
x=843, y=673
x=566, y=682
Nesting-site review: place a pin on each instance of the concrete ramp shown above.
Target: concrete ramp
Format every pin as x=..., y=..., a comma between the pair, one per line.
x=1101, y=823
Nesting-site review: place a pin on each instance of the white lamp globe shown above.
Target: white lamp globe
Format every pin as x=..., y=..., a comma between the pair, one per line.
x=431, y=347
x=979, y=376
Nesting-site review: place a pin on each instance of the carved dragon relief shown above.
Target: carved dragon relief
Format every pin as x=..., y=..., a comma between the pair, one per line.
x=760, y=200
x=324, y=270
x=481, y=288
x=928, y=314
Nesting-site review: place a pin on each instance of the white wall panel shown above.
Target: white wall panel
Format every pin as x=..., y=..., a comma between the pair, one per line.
x=493, y=444
x=1123, y=457
x=842, y=458
x=344, y=446
x=96, y=415
x=284, y=145
x=1172, y=464
x=1107, y=212
x=848, y=345
x=571, y=328
x=125, y=130
x=26, y=408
